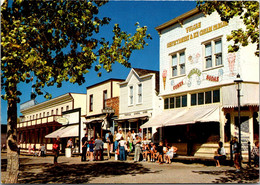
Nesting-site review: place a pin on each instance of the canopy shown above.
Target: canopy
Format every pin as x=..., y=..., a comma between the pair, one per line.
x=66, y=131
x=160, y=119
x=133, y=118
x=205, y=113
x=98, y=119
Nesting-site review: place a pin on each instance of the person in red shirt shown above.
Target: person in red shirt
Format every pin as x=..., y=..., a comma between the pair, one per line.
x=56, y=150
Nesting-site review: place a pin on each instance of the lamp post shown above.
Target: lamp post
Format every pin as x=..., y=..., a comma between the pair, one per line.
x=238, y=81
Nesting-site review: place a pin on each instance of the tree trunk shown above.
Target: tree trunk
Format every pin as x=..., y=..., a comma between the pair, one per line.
x=12, y=149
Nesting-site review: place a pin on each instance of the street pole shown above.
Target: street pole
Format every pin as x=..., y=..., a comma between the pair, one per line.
x=238, y=81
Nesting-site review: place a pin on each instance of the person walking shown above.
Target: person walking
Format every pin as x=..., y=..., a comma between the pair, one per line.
x=91, y=149
x=255, y=154
x=129, y=140
x=236, y=152
x=114, y=140
x=109, y=140
x=84, y=147
x=137, y=143
x=118, y=137
x=56, y=150
x=42, y=150
x=99, y=147
x=30, y=149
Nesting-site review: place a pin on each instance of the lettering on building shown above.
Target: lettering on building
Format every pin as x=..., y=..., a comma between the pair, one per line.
x=212, y=78
x=178, y=85
x=197, y=33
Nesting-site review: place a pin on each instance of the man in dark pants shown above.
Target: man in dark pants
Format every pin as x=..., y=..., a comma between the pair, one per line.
x=56, y=150
x=84, y=147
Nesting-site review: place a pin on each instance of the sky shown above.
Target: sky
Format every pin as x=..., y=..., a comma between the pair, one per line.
x=126, y=14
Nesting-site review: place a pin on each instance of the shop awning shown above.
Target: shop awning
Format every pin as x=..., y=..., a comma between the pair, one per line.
x=96, y=120
x=160, y=119
x=66, y=131
x=133, y=118
x=249, y=95
x=205, y=113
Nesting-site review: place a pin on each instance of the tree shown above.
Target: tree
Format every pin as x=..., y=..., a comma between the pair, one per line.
x=50, y=42
x=248, y=11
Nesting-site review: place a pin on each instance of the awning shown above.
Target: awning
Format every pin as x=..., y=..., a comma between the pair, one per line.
x=96, y=120
x=205, y=113
x=66, y=131
x=133, y=118
x=249, y=95
x=160, y=119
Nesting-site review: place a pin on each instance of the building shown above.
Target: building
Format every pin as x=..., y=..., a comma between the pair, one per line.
x=197, y=84
x=139, y=100
x=40, y=120
x=102, y=107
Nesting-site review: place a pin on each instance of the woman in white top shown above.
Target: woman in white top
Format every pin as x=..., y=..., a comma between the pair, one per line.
x=220, y=154
x=169, y=155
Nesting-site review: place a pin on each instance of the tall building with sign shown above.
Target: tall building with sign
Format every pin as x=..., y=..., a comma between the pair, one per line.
x=197, y=84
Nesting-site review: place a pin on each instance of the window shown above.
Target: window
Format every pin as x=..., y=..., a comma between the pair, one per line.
x=140, y=93
x=47, y=113
x=178, y=64
x=205, y=97
x=57, y=111
x=40, y=115
x=61, y=110
x=216, y=96
x=52, y=112
x=131, y=95
x=44, y=114
x=213, y=54
x=175, y=102
x=104, y=99
x=208, y=97
x=36, y=116
x=67, y=107
x=91, y=103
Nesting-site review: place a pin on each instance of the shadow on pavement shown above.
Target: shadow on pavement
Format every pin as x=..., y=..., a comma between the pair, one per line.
x=76, y=173
x=231, y=176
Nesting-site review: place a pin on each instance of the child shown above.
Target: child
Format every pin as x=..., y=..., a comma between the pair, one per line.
x=169, y=155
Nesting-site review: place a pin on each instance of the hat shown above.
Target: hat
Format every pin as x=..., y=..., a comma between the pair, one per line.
x=120, y=129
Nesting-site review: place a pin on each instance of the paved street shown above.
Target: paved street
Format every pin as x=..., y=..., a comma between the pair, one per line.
x=72, y=170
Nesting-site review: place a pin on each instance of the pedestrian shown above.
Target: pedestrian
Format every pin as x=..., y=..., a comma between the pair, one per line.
x=34, y=150
x=56, y=150
x=98, y=148
x=170, y=154
x=160, y=153
x=114, y=140
x=29, y=149
x=255, y=154
x=122, y=149
x=42, y=150
x=137, y=143
x=70, y=143
x=118, y=137
x=236, y=152
x=84, y=147
x=130, y=140
x=140, y=134
x=220, y=154
x=18, y=148
x=109, y=139
x=91, y=149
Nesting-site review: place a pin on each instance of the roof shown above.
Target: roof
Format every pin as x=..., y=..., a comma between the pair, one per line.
x=178, y=19
x=111, y=79
x=144, y=72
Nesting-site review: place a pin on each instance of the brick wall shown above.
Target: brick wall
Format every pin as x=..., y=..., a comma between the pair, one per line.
x=114, y=103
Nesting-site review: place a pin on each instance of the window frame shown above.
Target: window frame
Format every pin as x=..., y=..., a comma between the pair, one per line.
x=131, y=95
x=91, y=99
x=104, y=98
x=178, y=69
x=139, y=94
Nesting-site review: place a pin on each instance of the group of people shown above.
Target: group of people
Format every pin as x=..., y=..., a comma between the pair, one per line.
x=41, y=152
x=220, y=154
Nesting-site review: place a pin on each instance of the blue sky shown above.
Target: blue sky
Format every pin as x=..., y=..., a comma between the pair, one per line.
x=126, y=14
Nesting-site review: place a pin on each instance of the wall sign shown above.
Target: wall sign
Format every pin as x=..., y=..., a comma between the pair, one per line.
x=164, y=75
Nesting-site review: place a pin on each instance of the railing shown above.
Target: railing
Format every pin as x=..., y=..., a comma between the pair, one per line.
x=38, y=121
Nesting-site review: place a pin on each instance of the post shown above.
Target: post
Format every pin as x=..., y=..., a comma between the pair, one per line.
x=231, y=154
x=249, y=154
x=239, y=125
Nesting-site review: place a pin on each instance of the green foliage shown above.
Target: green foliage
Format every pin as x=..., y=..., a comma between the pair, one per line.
x=248, y=11
x=54, y=41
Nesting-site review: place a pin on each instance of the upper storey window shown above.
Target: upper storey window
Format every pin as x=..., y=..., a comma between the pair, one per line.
x=131, y=95
x=178, y=63
x=213, y=53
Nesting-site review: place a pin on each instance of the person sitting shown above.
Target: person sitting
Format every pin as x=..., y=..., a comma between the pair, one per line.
x=160, y=153
x=255, y=154
x=170, y=154
x=220, y=154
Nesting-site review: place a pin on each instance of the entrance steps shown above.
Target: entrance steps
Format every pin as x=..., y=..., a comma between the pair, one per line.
x=208, y=150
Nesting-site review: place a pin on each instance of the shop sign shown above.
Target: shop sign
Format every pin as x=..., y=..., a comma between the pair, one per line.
x=197, y=33
x=212, y=78
x=108, y=110
x=178, y=85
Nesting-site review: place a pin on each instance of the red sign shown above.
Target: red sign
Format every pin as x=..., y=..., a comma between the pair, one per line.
x=178, y=85
x=212, y=78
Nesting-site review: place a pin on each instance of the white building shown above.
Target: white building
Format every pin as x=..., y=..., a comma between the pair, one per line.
x=139, y=100
x=197, y=84
x=50, y=118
